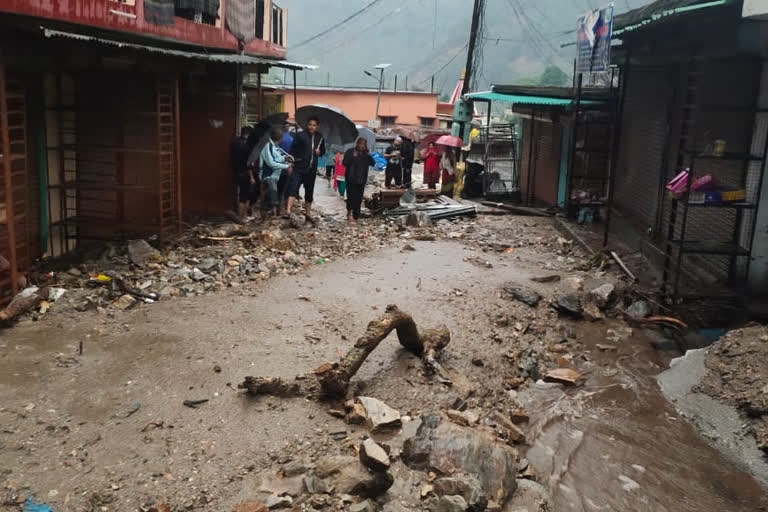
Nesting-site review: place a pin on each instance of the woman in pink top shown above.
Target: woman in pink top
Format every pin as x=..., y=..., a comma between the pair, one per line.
x=339, y=175
x=431, y=159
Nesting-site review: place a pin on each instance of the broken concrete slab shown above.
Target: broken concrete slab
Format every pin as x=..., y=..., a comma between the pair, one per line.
x=446, y=448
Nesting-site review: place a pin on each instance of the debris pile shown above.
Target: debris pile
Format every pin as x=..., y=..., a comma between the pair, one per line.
x=738, y=375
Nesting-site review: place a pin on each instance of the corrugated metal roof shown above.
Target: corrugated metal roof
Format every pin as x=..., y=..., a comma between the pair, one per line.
x=660, y=9
x=519, y=99
x=226, y=58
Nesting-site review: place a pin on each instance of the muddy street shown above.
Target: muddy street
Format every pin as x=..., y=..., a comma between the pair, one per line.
x=108, y=429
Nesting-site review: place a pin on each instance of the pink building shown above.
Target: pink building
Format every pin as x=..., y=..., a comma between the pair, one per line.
x=359, y=104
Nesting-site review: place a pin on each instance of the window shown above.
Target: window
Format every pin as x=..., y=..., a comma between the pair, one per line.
x=260, y=7
x=276, y=24
x=427, y=121
x=188, y=9
x=387, y=120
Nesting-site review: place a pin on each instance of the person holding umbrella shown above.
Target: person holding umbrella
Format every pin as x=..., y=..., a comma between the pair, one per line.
x=308, y=146
x=431, y=159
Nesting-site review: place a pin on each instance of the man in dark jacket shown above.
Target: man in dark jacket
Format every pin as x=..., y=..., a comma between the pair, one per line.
x=307, y=147
x=408, y=153
x=239, y=152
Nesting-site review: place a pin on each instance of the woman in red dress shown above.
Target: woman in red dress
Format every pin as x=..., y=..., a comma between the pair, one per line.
x=431, y=160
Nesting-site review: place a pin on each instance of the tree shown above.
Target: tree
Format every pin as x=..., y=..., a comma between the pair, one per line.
x=553, y=75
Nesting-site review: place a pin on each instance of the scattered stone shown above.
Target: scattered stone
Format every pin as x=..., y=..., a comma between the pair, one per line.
x=217, y=368
x=373, y=456
x=575, y=284
x=563, y=376
x=408, y=247
x=451, y=504
x=140, y=252
x=197, y=274
x=74, y=272
x=315, y=485
x=363, y=506
x=478, y=362
x=356, y=415
x=568, y=305
x=521, y=293
x=593, y=313
x=464, y=418
x=275, y=502
x=379, y=415
x=294, y=468
x=274, y=239
x=416, y=220
x=530, y=496
x=466, y=486
x=639, y=309
x=606, y=348
x=603, y=295
x=446, y=448
x=553, y=278
x=519, y=416
x=346, y=475
x=513, y=433
x=124, y=302
x=247, y=507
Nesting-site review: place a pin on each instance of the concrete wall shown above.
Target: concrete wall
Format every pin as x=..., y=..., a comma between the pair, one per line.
x=758, y=269
x=360, y=106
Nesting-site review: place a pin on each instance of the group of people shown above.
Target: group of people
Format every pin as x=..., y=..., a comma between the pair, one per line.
x=399, y=168
x=285, y=165
x=289, y=162
x=436, y=164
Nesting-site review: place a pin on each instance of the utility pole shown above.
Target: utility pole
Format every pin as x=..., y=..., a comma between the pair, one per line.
x=406, y=82
x=432, y=86
x=395, y=89
x=471, y=49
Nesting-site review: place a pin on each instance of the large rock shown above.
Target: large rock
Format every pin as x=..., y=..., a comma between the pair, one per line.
x=446, y=448
x=521, y=293
x=378, y=414
x=344, y=474
x=602, y=295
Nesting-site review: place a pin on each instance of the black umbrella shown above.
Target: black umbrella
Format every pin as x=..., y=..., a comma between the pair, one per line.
x=335, y=126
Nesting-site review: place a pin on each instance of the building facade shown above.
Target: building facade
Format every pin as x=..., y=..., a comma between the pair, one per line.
x=116, y=117
x=695, y=99
x=359, y=104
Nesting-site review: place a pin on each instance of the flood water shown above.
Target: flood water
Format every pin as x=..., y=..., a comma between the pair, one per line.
x=616, y=444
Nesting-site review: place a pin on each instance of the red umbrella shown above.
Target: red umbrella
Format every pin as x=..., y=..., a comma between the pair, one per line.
x=451, y=141
x=432, y=137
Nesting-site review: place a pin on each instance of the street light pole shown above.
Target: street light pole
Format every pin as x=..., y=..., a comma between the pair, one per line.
x=378, y=96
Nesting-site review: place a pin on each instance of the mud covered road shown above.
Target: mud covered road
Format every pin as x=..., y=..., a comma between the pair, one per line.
x=107, y=430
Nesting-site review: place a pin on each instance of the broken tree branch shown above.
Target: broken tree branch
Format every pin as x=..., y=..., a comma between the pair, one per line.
x=623, y=266
x=332, y=379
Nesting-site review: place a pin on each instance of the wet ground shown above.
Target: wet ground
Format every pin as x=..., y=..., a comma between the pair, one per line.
x=107, y=430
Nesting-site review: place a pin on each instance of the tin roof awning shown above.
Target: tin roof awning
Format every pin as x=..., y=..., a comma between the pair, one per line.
x=660, y=10
x=225, y=58
x=519, y=99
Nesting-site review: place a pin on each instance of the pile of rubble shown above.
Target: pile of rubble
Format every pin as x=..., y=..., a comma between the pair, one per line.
x=738, y=375
x=452, y=461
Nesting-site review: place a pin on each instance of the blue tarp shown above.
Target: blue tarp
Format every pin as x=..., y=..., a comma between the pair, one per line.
x=31, y=506
x=381, y=162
